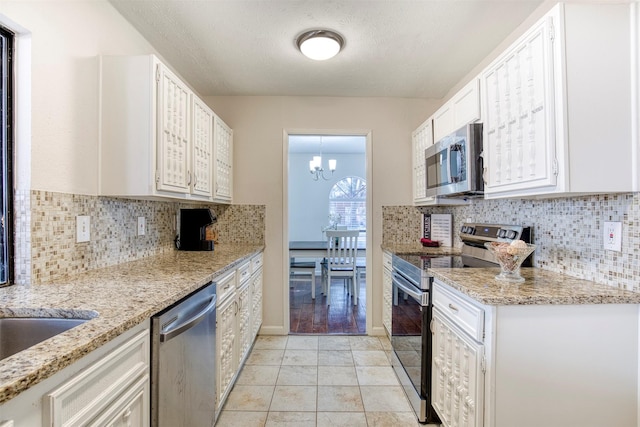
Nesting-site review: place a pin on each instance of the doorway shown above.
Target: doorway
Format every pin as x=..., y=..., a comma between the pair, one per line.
x=326, y=190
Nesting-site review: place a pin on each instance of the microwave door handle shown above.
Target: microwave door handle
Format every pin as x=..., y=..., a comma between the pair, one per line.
x=449, y=165
x=458, y=155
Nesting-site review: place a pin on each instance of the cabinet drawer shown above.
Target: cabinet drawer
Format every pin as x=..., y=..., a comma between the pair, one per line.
x=244, y=272
x=465, y=315
x=93, y=390
x=256, y=263
x=225, y=286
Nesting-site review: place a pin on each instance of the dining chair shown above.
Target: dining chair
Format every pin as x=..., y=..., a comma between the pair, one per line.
x=342, y=247
x=299, y=270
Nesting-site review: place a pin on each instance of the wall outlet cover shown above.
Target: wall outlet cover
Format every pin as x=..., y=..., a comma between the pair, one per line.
x=83, y=228
x=612, y=236
x=142, y=226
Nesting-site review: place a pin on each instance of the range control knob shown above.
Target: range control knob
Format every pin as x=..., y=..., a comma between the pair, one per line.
x=511, y=234
x=502, y=233
x=463, y=229
x=471, y=230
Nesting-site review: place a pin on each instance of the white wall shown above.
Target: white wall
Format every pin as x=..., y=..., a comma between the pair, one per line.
x=66, y=37
x=259, y=173
x=309, y=199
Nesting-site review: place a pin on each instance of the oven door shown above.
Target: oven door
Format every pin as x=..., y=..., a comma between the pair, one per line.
x=411, y=342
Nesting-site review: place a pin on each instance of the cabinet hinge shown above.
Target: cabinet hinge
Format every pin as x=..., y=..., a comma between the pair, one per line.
x=157, y=177
x=157, y=73
x=552, y=32
x=483, y=364
x=555, y=167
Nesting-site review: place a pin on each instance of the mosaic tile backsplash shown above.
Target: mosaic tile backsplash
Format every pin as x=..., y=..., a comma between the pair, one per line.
x=114, y=240
x=568, y=232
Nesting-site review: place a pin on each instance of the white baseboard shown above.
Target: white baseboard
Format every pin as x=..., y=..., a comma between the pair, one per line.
x=272, y=330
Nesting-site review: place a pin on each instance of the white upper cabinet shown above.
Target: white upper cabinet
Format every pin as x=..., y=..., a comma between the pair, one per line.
x=556, y=106
x=157, y=136
x=223, y=166
x=461, y=109
x=421, y=139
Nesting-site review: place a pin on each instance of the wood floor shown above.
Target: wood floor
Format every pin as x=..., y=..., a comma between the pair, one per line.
x=308, y=316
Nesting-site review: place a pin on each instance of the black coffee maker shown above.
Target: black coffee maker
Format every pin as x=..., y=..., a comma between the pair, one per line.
x=193, y=230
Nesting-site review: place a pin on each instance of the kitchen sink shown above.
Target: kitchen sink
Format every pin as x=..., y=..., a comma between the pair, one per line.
x=20, y=333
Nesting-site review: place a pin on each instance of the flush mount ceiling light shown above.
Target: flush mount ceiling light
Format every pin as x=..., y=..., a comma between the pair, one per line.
x=320, y=44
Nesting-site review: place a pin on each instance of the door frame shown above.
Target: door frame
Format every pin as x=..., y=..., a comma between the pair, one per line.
x=285, y=216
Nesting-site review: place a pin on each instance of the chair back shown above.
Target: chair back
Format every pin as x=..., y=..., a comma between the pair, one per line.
x=342, y=248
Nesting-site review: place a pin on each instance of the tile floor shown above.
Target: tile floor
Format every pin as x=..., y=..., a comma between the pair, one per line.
x=324, y=380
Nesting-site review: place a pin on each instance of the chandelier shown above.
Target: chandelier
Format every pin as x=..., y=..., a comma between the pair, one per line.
x=315, y=166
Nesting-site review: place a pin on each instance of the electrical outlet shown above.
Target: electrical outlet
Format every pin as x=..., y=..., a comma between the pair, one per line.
x=612, y=236
x=83, y=228
x=142, y=226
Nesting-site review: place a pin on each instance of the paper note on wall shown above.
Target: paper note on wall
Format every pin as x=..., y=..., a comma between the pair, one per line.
x=438, y=227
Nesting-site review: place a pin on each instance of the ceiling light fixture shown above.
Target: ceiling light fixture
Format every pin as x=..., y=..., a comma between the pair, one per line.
x=315, y=166
x=320, y=44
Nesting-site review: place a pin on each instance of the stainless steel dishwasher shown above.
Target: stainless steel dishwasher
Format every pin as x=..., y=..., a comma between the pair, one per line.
x=183, y=344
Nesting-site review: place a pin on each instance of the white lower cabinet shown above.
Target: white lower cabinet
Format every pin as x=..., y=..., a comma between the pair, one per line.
x=387, y=284
x=238, y=319
x=533, y=365
x=108, y=387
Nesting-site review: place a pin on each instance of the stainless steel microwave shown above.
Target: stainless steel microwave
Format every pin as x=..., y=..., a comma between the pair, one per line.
x=454, y=164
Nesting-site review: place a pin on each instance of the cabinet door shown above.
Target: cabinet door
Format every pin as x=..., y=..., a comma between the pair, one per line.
x=387, y=299
x=131, y=409
x=256, y=296
x=244, y=320
x=226, y=346
x=519, y=142
x=443, y=123
x=466, y=104
x=421, y=139
x=223, y=154
x=202, y=148
x=173, y=145
x=457, y=375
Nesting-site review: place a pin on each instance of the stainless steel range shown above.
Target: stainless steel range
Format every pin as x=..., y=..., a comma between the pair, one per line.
x=411, y=311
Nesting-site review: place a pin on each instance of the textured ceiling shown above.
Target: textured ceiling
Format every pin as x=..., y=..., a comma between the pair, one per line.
x=394, y=48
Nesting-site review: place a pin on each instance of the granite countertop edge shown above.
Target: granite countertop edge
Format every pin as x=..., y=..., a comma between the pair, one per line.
x=152, y=284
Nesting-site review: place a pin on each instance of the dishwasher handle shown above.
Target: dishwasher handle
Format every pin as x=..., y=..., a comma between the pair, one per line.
x=189, y=323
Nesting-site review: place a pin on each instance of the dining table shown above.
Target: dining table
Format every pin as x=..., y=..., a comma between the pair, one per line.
x=316, y=249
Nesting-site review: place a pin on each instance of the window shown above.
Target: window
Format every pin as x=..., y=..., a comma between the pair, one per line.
x=348, y=203
x=6, y=179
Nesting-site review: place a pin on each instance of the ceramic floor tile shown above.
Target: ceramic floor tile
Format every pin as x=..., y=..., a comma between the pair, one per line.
x=341, y=419
x=365, y=343
x=392, y=419
x=376, y=375
x=271, y=342
x=386, y=344
x=300, y=357
x=258, y=375
x=298, y=375
x=328, y=342
x=337, y=375
x=265, y=357
x=290, y=419
x=302, y=342
x=335, y=358
x=339, y=399
x=249, y=398
x=294, y=399
x=241, y=418
x=370, y=358
x=384, y=399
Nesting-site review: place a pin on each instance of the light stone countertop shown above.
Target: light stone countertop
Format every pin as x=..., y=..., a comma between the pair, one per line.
x=123, y=296
x=418, y=249
x=540, y=287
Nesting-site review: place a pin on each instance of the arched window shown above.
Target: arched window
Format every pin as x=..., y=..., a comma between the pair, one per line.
x=348, y=203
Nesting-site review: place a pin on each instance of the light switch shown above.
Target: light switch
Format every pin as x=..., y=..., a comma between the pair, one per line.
x=612, y=236
x=142, y=226
x=83, y=228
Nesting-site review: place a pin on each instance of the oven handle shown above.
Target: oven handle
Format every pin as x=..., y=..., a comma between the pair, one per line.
x=400, y=282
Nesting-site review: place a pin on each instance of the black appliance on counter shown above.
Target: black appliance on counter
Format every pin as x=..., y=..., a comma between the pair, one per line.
x=412, y=306
x=192, y=235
